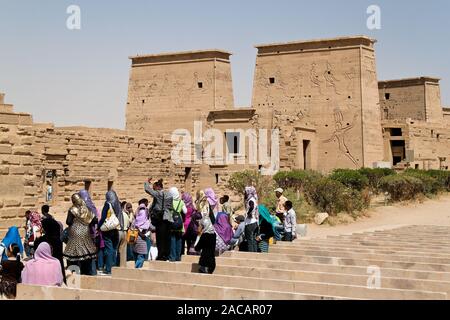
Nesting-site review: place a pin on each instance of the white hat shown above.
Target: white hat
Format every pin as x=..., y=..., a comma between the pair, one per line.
x=280, y=190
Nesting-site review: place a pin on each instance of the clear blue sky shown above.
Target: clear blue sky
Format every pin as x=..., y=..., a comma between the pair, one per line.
x=81, y=77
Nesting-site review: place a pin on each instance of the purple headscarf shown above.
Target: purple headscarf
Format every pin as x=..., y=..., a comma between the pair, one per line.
x=211, y=197
x=84, y=194
x=141, y=220
x=187, y=199
x=223, y=227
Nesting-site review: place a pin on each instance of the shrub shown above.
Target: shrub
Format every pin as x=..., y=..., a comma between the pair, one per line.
x=331, y=196
x=263, y=184
x=442, y=177
x=402, y=187
x=430, y=185
x=375, y=175
x=350, y=178
x=296, y=179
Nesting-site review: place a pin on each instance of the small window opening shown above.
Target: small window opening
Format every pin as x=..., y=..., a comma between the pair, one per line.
x=110, y=185
x=217, y=178
x=87, y=185
x=200, y=85
x=271, y=80
x=387, y=96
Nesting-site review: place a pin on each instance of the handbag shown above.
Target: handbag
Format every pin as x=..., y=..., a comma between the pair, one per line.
x=111, y=223
x=132, y=236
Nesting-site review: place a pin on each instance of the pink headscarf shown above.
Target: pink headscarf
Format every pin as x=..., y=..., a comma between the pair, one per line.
x=43, y=270
x=35, y=219
x=212, y=198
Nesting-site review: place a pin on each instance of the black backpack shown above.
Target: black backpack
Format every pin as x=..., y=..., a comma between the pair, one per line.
x=177, y=224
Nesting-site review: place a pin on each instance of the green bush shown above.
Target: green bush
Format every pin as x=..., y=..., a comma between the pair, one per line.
x=442, y=177
x=350, y=178
x=296, y=179
x=331, y=196
x=263, y=184
x=402, y=187
x=375, y=175
x=431, y=185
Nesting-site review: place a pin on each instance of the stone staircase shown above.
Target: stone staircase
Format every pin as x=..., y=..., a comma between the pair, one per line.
x=413, y=263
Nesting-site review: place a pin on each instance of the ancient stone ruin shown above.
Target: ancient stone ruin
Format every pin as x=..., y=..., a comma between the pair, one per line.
x=323, y=96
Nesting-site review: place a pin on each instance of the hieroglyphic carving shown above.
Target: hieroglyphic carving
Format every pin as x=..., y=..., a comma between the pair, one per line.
x=330, y=78
x=339, y=134
x=314, y=78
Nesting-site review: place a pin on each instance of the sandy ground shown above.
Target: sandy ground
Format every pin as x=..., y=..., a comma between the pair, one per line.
x=430, y=212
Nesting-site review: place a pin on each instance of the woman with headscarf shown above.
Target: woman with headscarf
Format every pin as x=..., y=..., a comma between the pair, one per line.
x=251, y=219
x=207, y=246
x=80, y=248
x=52, y=236
x=141, y=223
x=11, y=237
x=10, y=266
x=267, y=228
x=44, y=269
x=176, y=232
x=95, y=234
x=111, y=212
x=33, y=231
x=191, y=224
x=212, y=200
x=224, y=232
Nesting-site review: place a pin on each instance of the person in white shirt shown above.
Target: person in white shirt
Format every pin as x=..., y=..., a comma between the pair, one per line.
x=290, y=222
x=251, y=219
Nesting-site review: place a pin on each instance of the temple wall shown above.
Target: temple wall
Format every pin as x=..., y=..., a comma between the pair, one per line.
x=328, y=86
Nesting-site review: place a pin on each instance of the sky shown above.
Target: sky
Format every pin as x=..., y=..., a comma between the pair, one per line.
x=80, y=77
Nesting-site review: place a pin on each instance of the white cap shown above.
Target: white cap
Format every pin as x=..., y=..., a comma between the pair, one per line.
x=280, y=190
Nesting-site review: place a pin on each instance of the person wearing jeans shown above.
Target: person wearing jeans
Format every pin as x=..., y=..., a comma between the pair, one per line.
x=111, y=239
x=251, y=221
x=176, y=232
x=142, y=224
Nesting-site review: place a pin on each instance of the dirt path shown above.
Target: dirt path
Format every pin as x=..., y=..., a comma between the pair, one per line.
x=430, y=212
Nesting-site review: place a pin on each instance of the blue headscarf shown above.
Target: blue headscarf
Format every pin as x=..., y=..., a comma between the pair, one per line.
x=265, y=214
x=12, y=236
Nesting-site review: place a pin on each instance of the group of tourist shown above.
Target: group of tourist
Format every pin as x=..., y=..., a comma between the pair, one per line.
x=172, y=225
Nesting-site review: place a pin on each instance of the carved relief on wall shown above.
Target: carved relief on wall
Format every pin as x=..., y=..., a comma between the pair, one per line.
x=339, y=135
x=314, y=78
x=370, y=71
x=330, y=78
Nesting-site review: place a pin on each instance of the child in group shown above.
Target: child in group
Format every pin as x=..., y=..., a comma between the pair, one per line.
x=238, y=237
x=290, y=222
x=207, y=245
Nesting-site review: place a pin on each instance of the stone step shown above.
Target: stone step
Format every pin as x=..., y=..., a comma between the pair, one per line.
x=342, y=261
x=277, y=248
x=286, y=274
x=388, y=257
x=30, y=292
x=365, y=244
x=392, y=240
x=264, y=260
x=194, y=291
x=303, y=287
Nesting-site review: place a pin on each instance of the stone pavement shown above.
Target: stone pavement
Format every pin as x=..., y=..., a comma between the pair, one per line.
x=413, y=262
